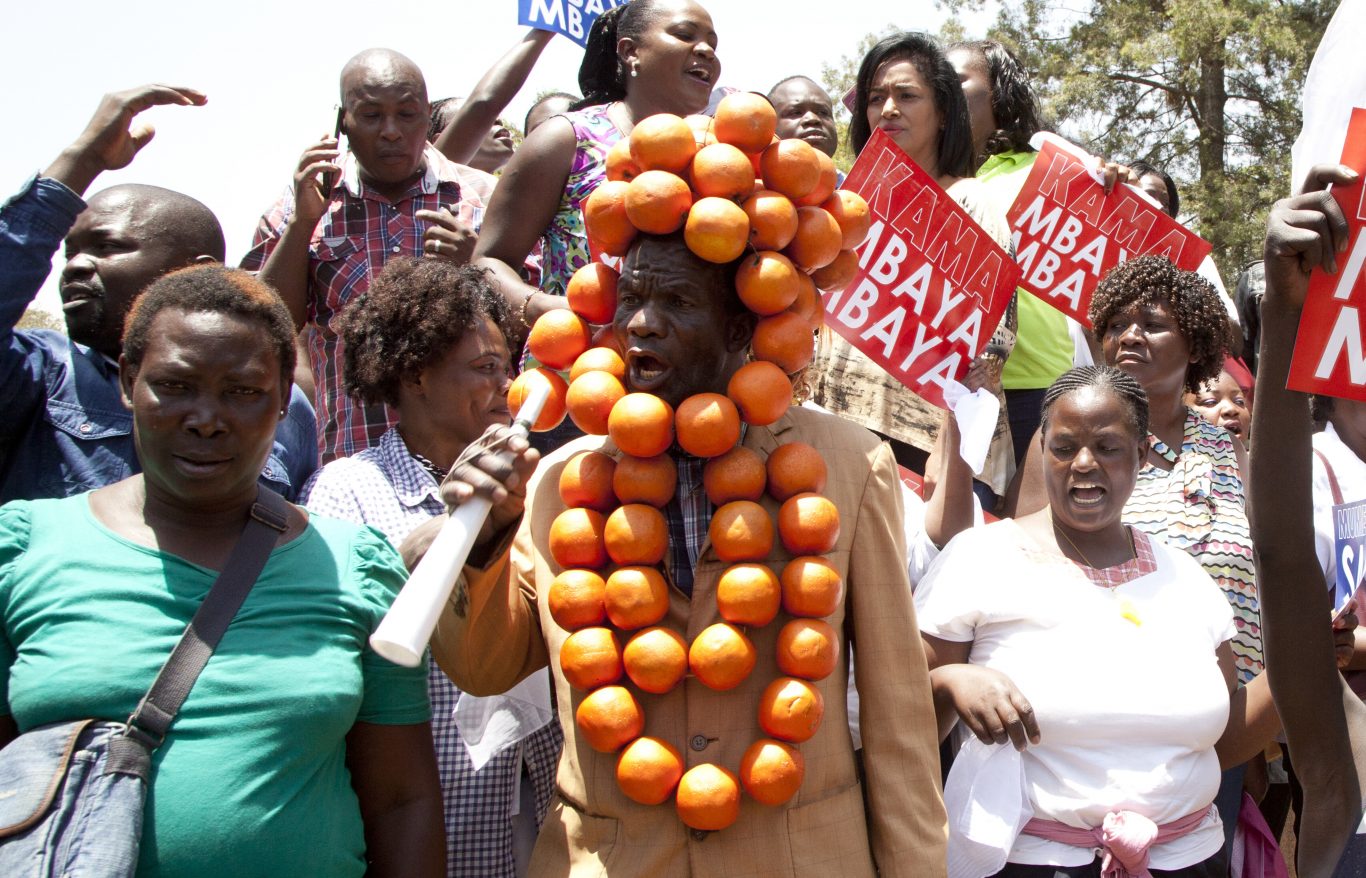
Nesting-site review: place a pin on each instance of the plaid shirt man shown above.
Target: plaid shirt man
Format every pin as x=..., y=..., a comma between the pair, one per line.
x=359, y=232
x=386, y=488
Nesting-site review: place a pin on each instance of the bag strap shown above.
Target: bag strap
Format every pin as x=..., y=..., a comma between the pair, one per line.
x=158, y=709
x=1332, y=477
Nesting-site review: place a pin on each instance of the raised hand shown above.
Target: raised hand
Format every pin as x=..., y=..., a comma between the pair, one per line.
x=309, y=199
x=1305, y=232
x=111, y=140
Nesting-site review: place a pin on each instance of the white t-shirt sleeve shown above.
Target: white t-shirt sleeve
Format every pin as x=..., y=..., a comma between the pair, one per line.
x=1325, y=542
x=949, y=598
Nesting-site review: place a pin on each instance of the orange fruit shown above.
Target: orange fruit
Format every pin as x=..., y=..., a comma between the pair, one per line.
x=591, y=657
x=576, y=538
x=825, y=186
x=772, y=771
x=662, y=142
x=809, y=303
x=701, y=129
x=760, y=391
x=852, y=215
x=636, y=534
x=636, y=597
x=791, y=167
x=808, y=648
x=808, y=524
x=657, y=202
x=791, y=709
x=649, y=480
x=784, y=339
x=772, y=220
x=818, y=239
x=736, y=475
x=553, y=410
x=609, y=717
x=558, y=337
x=721, y=656
x=722, y=171
x=620, y=165
x=707, y=424
x=590, y=400
x=641, y=424
x=745, y=120
x=836, y=276
x=592, y=292
x=708, y=797
x=748, y=594
x=716, y=230
x=656, y=659
x=795, y=468
x=811, y=587
x=586, y=480
x=767, y=282
x=599, y=359
x=605, y=219
x=648, y=770
x=741, y=531
x=575, y=599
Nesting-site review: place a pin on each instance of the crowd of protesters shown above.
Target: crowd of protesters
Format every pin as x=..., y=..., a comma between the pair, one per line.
x=1111, y=650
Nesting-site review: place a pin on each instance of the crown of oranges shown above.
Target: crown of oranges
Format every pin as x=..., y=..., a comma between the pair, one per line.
x=732, y=187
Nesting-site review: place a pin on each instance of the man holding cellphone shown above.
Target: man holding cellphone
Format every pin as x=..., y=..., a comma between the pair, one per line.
x=394, y=195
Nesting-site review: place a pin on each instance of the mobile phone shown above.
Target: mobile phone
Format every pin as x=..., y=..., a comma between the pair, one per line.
x=328, y=182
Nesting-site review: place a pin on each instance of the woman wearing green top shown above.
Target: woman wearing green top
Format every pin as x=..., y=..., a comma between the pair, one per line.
x=1004, y=115
x=299, y=751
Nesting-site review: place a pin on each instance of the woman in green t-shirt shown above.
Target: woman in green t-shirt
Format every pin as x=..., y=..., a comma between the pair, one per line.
x=299, y=751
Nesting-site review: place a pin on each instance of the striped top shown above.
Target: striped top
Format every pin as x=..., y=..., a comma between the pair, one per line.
x=1200, y=506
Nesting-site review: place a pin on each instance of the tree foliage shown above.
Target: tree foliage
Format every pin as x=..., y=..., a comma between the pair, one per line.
x=1207, y=89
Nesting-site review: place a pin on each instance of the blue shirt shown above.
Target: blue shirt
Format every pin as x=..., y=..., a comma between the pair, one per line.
x=64, y=430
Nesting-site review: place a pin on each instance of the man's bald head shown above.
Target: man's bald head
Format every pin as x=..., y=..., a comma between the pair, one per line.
x=380, y=67
x=385, y=99
x=127, y=237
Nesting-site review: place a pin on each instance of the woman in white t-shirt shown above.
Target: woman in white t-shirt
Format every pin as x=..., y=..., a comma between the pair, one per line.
x=1100, y=653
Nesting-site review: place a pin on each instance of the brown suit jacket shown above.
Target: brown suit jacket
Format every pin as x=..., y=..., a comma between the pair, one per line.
x=593, y=829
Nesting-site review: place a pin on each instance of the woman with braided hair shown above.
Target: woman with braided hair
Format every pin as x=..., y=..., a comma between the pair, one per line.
x=1104, y=658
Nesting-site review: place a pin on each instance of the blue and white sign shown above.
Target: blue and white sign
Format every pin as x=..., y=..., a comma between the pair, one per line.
x=1349, y=535
x=572, y=18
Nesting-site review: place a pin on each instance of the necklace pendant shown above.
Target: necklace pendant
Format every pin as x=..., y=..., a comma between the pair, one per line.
x=1128, y=611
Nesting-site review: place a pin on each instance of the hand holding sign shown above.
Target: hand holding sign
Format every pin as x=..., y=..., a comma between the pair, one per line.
x=1069, y=231
x=1310, y=232
x=931, y=284
x=572, y=18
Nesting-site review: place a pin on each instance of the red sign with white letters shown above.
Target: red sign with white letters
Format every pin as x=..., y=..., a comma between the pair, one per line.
x=931, y=284
x=1329, y=356
x=1069, y=233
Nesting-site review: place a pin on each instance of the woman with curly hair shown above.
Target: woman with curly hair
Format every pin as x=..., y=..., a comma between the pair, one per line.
x=428, y=339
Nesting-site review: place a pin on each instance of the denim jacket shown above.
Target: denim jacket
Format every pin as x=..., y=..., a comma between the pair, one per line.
x=64, y=429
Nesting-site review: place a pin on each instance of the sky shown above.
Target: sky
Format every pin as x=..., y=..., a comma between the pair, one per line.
x=270, y=67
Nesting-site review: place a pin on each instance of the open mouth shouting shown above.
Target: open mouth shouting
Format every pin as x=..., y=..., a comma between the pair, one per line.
x=77, y=295
x=1086, y=494
x=645, y=370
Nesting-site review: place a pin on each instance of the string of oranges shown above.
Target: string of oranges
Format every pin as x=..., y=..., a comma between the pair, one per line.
x=731, y=186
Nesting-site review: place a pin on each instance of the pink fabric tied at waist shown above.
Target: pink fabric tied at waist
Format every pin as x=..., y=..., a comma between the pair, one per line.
x=1124, y=838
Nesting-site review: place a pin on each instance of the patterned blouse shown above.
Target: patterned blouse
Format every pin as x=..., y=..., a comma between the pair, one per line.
x=1200, y=506
x=565, y=244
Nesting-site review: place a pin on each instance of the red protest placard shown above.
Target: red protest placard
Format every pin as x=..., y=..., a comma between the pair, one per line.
x=1069, y=233
x=931, y=284
x=1329, y=356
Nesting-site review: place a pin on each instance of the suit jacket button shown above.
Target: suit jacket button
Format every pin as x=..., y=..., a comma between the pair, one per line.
x=698, y=834
x=698, y=743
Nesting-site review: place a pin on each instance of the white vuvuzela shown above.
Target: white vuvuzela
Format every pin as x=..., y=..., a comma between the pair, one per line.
x=403, y=634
